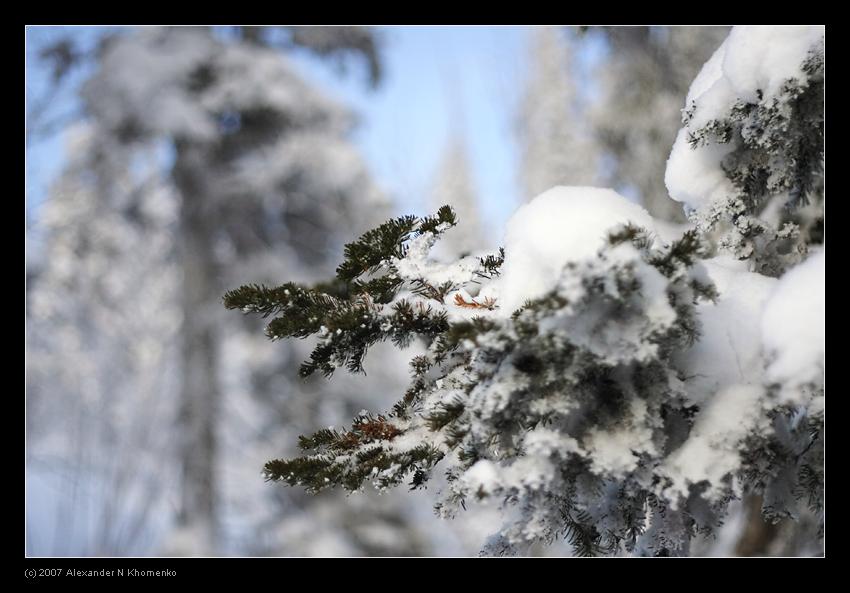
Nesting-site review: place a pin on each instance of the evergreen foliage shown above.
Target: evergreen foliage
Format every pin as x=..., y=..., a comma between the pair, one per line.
x=348, y=325
x=773, y=158
x=546, y=376
x=200, y=156
x=579, y=413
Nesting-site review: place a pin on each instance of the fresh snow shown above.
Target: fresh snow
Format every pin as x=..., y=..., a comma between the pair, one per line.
x=563, y=224
x=712, y=451
x=416, y=264
x=729, y=349
x=483, y=475
x=695, y=177
x=793, y=325
x=752, y=60
x=614, y=451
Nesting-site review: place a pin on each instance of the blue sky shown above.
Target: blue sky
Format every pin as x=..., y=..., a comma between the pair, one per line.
x=441, y=81
x=438, y=81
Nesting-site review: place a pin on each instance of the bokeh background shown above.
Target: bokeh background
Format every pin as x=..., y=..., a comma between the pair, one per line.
x=166, y=165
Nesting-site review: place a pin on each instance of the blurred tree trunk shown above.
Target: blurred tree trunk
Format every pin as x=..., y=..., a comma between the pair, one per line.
x=199, y=397
x=758, y=536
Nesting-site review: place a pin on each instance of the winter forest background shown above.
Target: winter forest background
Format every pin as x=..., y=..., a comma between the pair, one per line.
x=167, y=166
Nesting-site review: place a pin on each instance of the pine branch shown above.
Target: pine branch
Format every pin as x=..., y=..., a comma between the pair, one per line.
x=378, y=246
x=491, y=264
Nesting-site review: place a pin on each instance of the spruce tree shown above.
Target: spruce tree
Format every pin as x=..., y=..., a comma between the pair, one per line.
x=101, y=349
x=206, y=159
x=597, y=382
x=454, y=186
x=641, y=79
x=558, y=146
